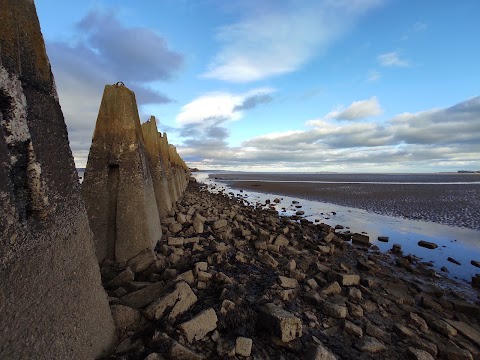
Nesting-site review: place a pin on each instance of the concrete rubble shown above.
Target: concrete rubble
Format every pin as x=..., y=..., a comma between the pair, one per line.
x=252, y=299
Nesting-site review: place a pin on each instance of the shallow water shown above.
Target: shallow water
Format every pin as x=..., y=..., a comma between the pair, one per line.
x=462, y=244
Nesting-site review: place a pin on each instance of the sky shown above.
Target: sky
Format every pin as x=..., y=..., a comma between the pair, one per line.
x=279, y=85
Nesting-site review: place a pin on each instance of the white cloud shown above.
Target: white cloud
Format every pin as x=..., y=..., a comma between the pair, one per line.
x=221, y=106
x=357, y=110
x=392, y=59
x=281, y=41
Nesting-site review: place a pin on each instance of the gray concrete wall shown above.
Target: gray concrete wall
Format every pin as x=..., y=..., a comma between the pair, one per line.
x=52, y=305
x=118, y=188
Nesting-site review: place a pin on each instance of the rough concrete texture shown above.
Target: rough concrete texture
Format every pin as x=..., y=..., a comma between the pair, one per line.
x=52, y=305
x=157, y=166
x=163, y=141
x=118, y=188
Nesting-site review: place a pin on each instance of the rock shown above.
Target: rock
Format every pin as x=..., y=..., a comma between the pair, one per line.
x=453, y=352
x=363, y=265
x=417, y=354
x=187, y=276
x=383, y=238
x=198, y=327
x=332, y=289
x=268, y=260
x=154, y=356
x=280, y=323
x=378, y=333
x=427, y=244
x=125, y=316
x=141, y=262
x=344, y=279
x=397, y=248
x=181, y=218
x=300, y=213
x=329, y=237
x=370, y=345
x=355, y=310
x=287, y=283
x=312, y=283
x=352, y=329
x=418, y=322
x=291, y=265
x=452, y=260
x=219, y=224
x=361, y=239
x=476, y=282
x=204, y=276
x=281, y=241
x=243, y=346
x=354, y=294
x=179, y=301
x=336, y=311
x=319, y=352
x=466, y=330
x=121, y=279
x=175, y=227
x=444, y=328
x=177, y=350
x=475, y=263
x=141, y=298
x=175, y=241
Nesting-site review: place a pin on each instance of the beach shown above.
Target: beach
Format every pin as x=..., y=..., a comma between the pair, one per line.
x=450, y=199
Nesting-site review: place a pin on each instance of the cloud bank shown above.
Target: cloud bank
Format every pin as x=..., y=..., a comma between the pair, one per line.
x=447, y=137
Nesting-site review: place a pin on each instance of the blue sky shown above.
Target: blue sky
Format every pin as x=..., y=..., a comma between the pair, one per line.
x=279, y=85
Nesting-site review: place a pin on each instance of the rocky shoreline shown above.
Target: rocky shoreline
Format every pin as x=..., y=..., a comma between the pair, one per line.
x=235, y=281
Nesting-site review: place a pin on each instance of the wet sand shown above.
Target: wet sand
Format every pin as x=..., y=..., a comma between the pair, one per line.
x=429, y=197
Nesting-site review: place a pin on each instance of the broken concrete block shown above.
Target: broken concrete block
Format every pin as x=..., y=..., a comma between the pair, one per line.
x=179, y=301
x=280, y=323
x=198, y=327
x=243, y=346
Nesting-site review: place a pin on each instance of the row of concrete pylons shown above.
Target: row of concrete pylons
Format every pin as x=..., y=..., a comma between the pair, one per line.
x=52, y=304
x=132, y=179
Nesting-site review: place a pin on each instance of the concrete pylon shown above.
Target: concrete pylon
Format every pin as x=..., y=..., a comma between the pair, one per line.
x=52, y=304
x=157, y=166
x=118, y=188
x=164, y=152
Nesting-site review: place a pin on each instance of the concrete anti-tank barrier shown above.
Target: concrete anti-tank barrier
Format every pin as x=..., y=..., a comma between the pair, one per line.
x=52, y=304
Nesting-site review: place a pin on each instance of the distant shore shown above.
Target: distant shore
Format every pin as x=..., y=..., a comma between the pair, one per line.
x=450, y=199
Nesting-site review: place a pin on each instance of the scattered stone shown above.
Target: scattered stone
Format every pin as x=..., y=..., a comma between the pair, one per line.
x=125, y=316
x=179, y=301
x=332, y=289
x=141, y=262
x=444, y=328
x=418, y=354
x=335, y=310
x=345, y=279
x=383, y=238
x=121, y=279
x=427, y=244
x=452, y=260
x=361, y=239
x=243, y=346
x=378, y=333
x=352, y=329
x=475, y=263
x=319, y=352
x=280, y=323
x=219, y=224
x=198, y=327
x=370, y=345
x=287, y=283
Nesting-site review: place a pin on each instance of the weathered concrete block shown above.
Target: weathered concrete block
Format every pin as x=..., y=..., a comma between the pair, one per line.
x=280, y=323
x=198, y=327
x=118, y=188
x=52, y=304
